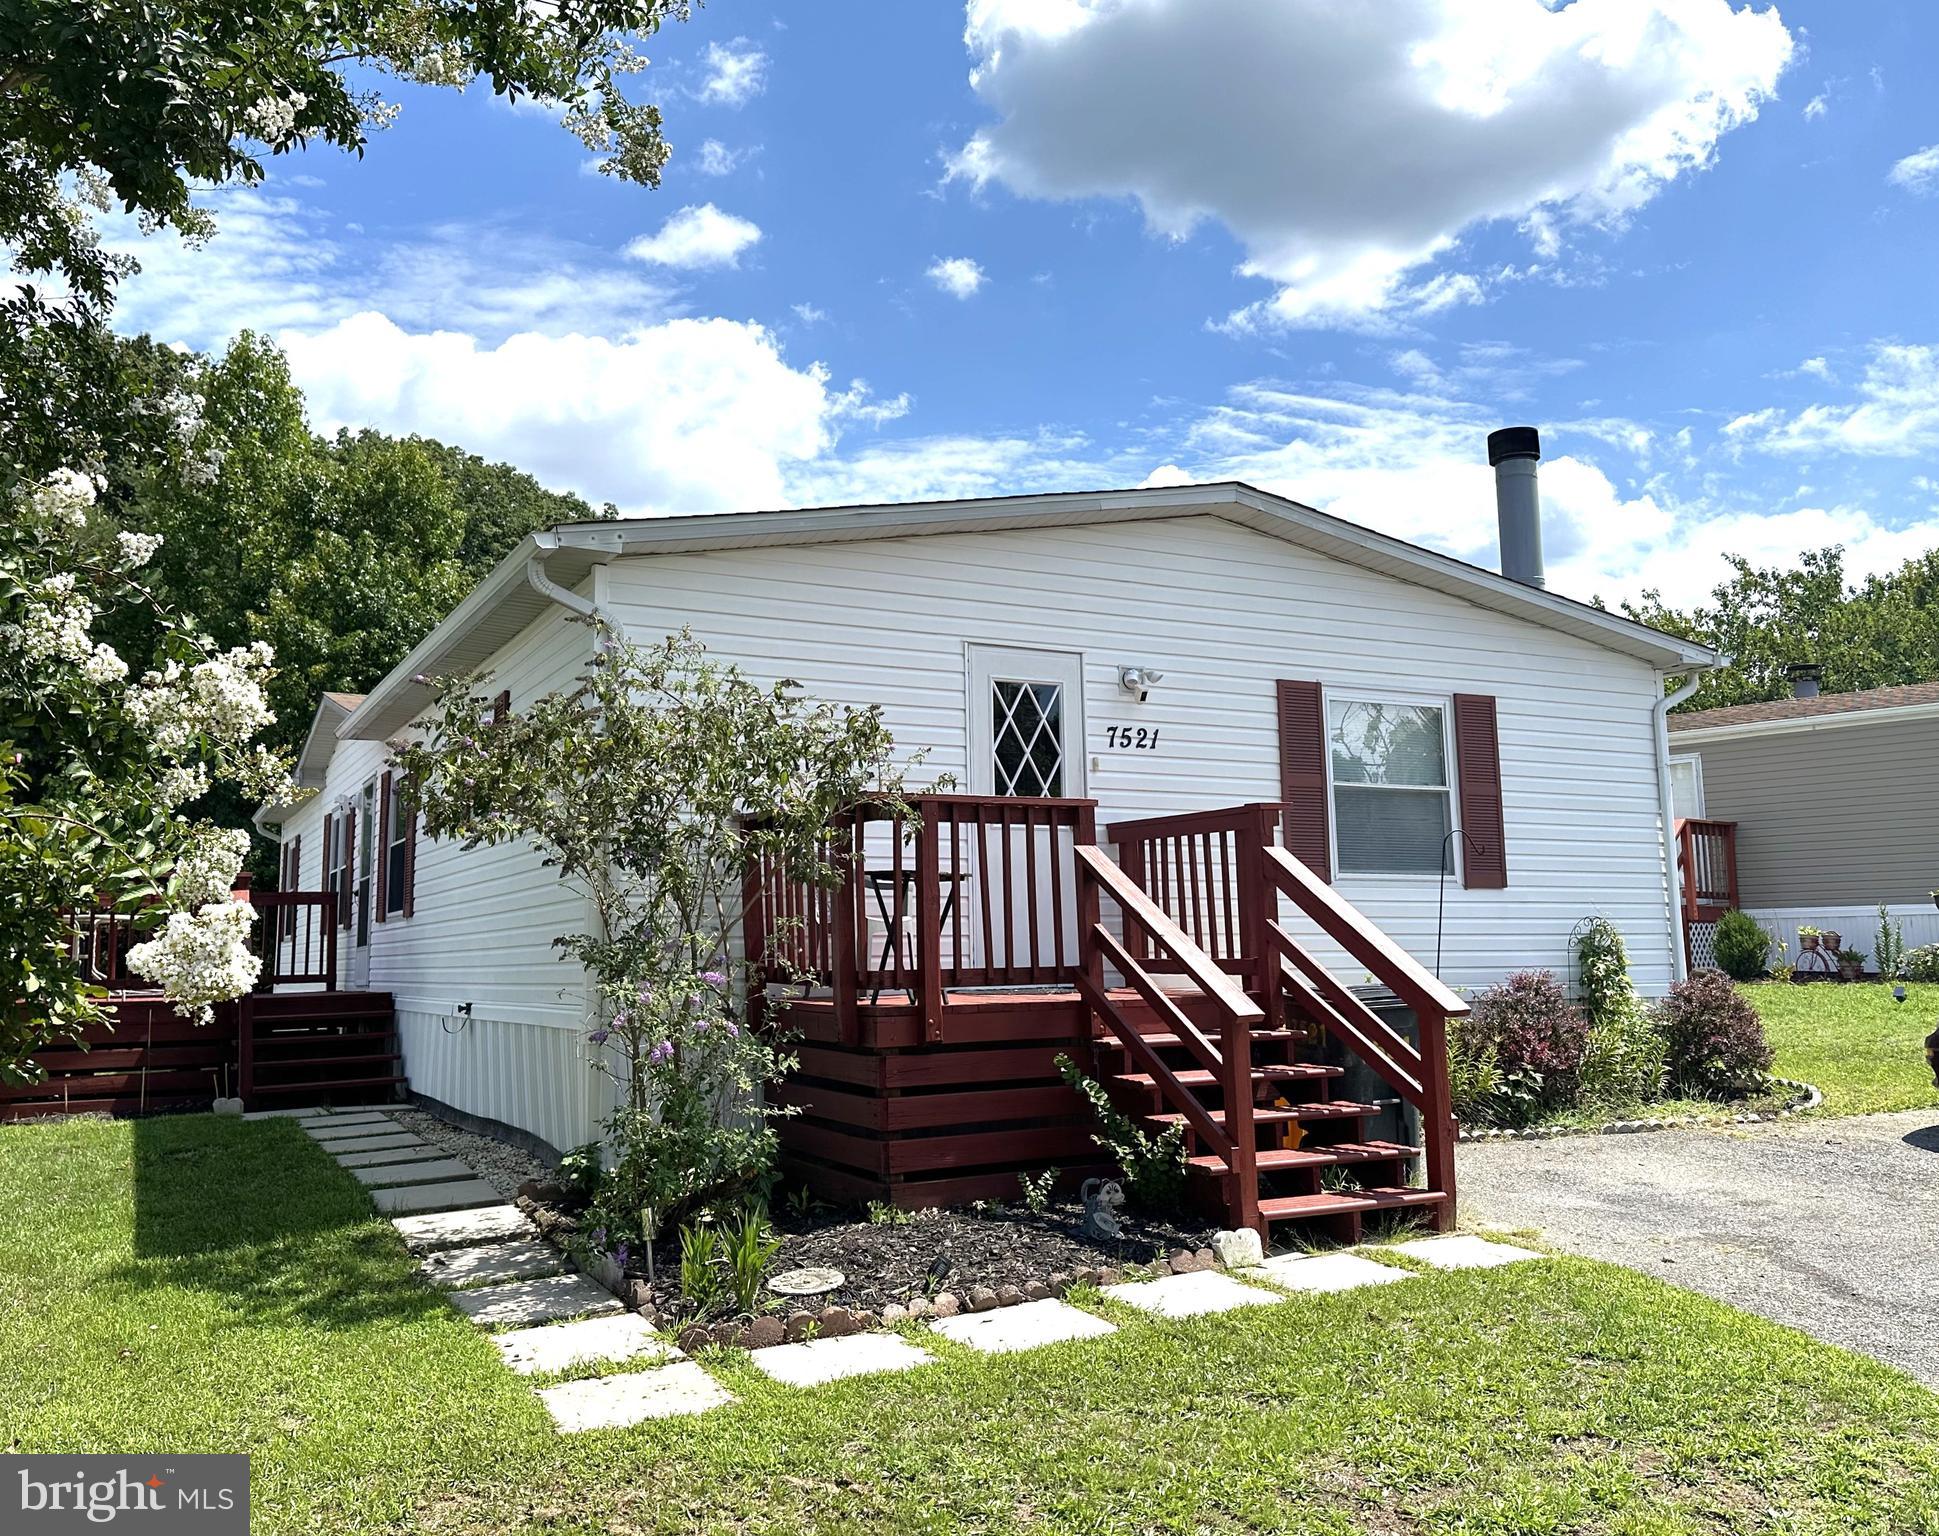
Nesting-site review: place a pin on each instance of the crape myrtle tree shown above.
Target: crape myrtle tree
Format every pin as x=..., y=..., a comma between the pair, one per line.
x=94, y=766
x=651, y=784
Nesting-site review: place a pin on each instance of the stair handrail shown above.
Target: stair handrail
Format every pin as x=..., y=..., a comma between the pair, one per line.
x=1431, y=1001
x=1234, y=1143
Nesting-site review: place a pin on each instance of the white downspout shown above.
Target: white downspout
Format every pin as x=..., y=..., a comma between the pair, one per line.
x=1666, y=806
x=541, y=583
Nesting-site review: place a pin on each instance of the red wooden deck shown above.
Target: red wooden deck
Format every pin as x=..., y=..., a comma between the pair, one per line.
x=1007, y=936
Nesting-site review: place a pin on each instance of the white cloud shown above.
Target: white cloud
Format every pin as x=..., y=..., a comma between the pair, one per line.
x=809, y=314
x=1918, y=172
x=1165, y=475
x=1817, y=368
x=684, y=416
x=1349, y=146
x=1896, y=412
x=737, y=72
x=957, y=276
x=716, y=159
x=1817, y=106
x=275, y=263
x=697, y=236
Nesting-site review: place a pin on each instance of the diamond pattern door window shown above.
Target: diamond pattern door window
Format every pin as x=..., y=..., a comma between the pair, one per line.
x=1028, y=738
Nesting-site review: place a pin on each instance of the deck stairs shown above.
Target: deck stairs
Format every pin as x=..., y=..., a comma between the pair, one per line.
x=1209, y=1012
x=301, y=1048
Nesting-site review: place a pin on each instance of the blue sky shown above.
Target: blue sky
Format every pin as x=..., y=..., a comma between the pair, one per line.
x=912, y=249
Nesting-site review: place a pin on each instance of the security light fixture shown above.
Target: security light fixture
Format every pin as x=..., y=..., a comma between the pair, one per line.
x=1137, y=681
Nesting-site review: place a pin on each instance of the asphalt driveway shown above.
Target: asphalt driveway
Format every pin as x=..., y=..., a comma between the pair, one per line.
x=1831, y=1226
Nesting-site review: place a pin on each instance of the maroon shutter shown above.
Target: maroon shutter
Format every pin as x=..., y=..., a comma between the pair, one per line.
x=349, y=876
x=1477, y=758
x=383, y=844
x=408, y=808
x=1302, y=775
x=324, y=879
x=501, y=707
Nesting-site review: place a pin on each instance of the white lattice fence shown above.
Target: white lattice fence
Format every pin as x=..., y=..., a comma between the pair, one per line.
x=1703, y=946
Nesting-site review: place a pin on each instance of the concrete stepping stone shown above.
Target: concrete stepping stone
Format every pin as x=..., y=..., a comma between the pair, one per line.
x=1321, y=1273
x=428, y=1171
x=277, y=1114
x=493, y=1264
x=1194, y=1295
x=560, y=1346
x=464, y=1229
x=377, y=1159
x=615, y=1402
x=308, y=1118
x=535, y=1301
x=1026, y=1326
x=407, y=1199
x=815, y=1361
x=389, y=1141
x=1462, y=1251
x=349, y=1130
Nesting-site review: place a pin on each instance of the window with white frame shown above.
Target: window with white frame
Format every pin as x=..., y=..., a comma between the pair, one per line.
x=1387, y=766
x=1686, y=786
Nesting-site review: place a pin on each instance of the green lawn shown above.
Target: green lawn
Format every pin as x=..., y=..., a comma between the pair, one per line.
x=1864, y=1050
x=202, y=1284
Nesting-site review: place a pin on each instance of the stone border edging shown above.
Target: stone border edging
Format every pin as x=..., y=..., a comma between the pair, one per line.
x=1806, y=1098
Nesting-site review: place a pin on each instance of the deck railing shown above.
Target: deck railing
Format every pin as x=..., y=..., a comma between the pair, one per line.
x=1417, y=1073
x=972, y=891
x=1205, y=870
x=1707, y=861
x=296, y=937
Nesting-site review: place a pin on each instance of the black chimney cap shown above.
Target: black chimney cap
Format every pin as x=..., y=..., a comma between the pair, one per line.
x=1514, y=443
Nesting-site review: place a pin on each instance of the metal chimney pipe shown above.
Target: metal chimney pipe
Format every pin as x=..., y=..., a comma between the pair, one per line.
x=1804, y=677
x=1516, y=454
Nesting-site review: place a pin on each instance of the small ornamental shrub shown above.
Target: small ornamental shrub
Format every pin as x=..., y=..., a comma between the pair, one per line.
x=1474, y=1086
x=1891, y=944
x=1154, y=1166
x=1921, y=964
x=1622, y=1063
x=1742, y=946
x=1714, y=1038
x=1538, y=1038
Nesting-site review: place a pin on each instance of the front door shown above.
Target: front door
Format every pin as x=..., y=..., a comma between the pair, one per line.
x=1026, y=740
x=357, y=967
x=1026, y=722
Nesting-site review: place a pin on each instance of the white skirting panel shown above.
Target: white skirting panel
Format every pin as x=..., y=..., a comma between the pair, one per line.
x=1857, y=926
x=536, y=1077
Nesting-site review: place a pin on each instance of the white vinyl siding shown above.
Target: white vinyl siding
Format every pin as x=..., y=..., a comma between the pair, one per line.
x=1223, y=612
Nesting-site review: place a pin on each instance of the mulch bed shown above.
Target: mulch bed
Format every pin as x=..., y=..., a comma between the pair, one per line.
x=919, y=1253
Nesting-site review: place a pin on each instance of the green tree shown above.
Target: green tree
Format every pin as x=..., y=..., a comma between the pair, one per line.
x=1881, y=632
x=649, y=786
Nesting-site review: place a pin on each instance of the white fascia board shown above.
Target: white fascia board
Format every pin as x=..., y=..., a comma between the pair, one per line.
x=1697, y=736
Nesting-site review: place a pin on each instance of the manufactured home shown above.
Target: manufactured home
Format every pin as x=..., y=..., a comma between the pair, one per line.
x=1248, y=798
x=1812, y=810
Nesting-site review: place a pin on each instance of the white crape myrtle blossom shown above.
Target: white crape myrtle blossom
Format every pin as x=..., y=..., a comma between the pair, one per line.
x=273, y=118
x=206, y=870
x=137, y=549
x=221, y=698
x=202, y=957
x=104, y=665
x=54, y=622
x=64, y=498
x=180, y=784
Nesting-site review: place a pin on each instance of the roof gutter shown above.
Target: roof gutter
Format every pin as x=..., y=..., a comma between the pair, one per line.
x=1666, y=806
x=537, y=579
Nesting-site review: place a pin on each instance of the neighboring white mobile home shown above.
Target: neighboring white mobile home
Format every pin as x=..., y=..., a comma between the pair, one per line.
x=1476, y=763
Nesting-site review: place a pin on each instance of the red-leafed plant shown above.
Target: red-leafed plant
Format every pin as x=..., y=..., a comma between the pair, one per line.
x=1715, y=1039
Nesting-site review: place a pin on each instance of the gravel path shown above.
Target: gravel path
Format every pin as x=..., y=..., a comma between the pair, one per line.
x=500, y=1165
x=1831, y=1226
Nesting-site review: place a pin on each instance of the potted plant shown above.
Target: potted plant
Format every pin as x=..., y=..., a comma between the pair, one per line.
x=1851, y=962
x=1833, y=940
x=1808, y=937
x=1935, y=897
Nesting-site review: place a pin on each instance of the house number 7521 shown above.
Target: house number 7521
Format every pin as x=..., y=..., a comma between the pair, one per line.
x=1140, y=738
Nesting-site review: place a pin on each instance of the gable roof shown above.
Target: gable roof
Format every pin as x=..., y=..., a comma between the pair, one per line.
x=1867, y=706
x=506, y=600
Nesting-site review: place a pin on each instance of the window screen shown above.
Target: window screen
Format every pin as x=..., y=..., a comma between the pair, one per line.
x=1392, y=809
